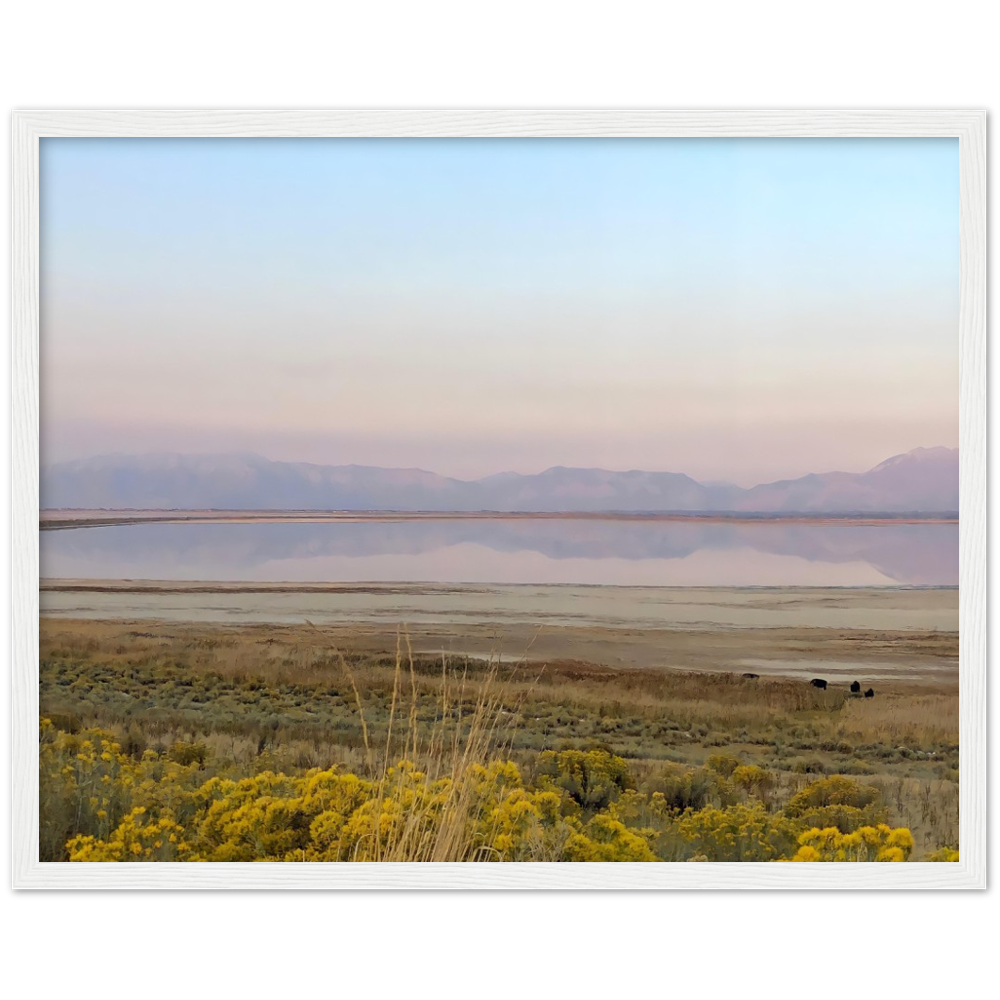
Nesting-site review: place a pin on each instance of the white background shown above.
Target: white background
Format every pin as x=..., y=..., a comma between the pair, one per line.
x=458, y=51
x=917, y=50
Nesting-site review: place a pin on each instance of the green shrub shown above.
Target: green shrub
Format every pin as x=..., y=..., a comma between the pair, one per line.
x=188, y=753
x=592, y=778
x=833, y=791
x=722, y=763
x=691, y=788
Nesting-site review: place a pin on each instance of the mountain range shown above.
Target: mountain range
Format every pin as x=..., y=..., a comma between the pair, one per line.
x=924, y=480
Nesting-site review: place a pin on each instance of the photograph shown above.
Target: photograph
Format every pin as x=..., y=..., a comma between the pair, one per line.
x=494, y=498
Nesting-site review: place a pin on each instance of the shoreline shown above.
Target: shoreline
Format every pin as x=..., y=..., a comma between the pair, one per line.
x=149, y=586
x=64, y=519
x=908, y=634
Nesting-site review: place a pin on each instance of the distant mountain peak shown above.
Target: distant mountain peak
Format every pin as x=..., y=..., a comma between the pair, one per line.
x=925, y=479
x=937, y=453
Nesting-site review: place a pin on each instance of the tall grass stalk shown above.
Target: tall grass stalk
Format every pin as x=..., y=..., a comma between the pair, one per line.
x=443, y=809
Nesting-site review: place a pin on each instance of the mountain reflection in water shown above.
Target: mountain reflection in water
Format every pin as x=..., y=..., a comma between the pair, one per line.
x=604, y=552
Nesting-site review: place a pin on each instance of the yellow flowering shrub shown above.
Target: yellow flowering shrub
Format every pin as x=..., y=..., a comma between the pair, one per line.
x=330, y=797
x=738, y=833
x=100, y=804
x=524, y=826
x=837, y=802
x=165, y=787
x=644, y=809
x=605, y=838
x=868, y=843
x=752, y=779
x=254, y=819
x=85, y=785
x=138, y=837
x=401, y=816
x=487, y=814
x=655, y=818
x=944, y=854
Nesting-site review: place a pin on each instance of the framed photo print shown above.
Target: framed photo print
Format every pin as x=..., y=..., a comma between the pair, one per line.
x=541, y=499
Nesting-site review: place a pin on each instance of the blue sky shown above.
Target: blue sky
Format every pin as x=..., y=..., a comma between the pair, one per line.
x=737, y=309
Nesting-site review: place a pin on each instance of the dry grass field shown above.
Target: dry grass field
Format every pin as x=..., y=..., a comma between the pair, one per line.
x=287, y=699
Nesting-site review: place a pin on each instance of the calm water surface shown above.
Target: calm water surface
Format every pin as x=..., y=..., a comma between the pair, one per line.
x=625, y=553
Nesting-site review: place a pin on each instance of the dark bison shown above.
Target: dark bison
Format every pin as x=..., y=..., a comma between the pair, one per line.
x=855, y=688
x=752, y=677
x=818, y=682
x=870, y=693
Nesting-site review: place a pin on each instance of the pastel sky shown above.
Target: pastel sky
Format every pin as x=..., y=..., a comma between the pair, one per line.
x=737, y=309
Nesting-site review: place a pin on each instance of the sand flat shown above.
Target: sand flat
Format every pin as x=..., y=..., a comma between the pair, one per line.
x=709, y=608
x=903, y=633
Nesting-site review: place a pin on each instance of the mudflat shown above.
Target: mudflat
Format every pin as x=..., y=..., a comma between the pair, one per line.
x=872, y=634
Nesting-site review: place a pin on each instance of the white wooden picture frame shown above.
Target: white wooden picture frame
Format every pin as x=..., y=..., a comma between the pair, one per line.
x=29, y=126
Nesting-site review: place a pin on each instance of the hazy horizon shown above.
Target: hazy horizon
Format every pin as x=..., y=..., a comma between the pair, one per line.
x=741, y=310
x=497, y=472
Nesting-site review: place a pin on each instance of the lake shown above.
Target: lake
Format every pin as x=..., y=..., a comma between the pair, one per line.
x=585, y=551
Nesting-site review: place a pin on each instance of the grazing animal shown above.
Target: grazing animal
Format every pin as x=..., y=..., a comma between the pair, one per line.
x=855, y=688
x=752, y=677
x=818, y=682
x=870, y=693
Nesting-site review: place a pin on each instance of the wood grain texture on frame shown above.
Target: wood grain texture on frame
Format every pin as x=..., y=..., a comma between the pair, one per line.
x=969, y=127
